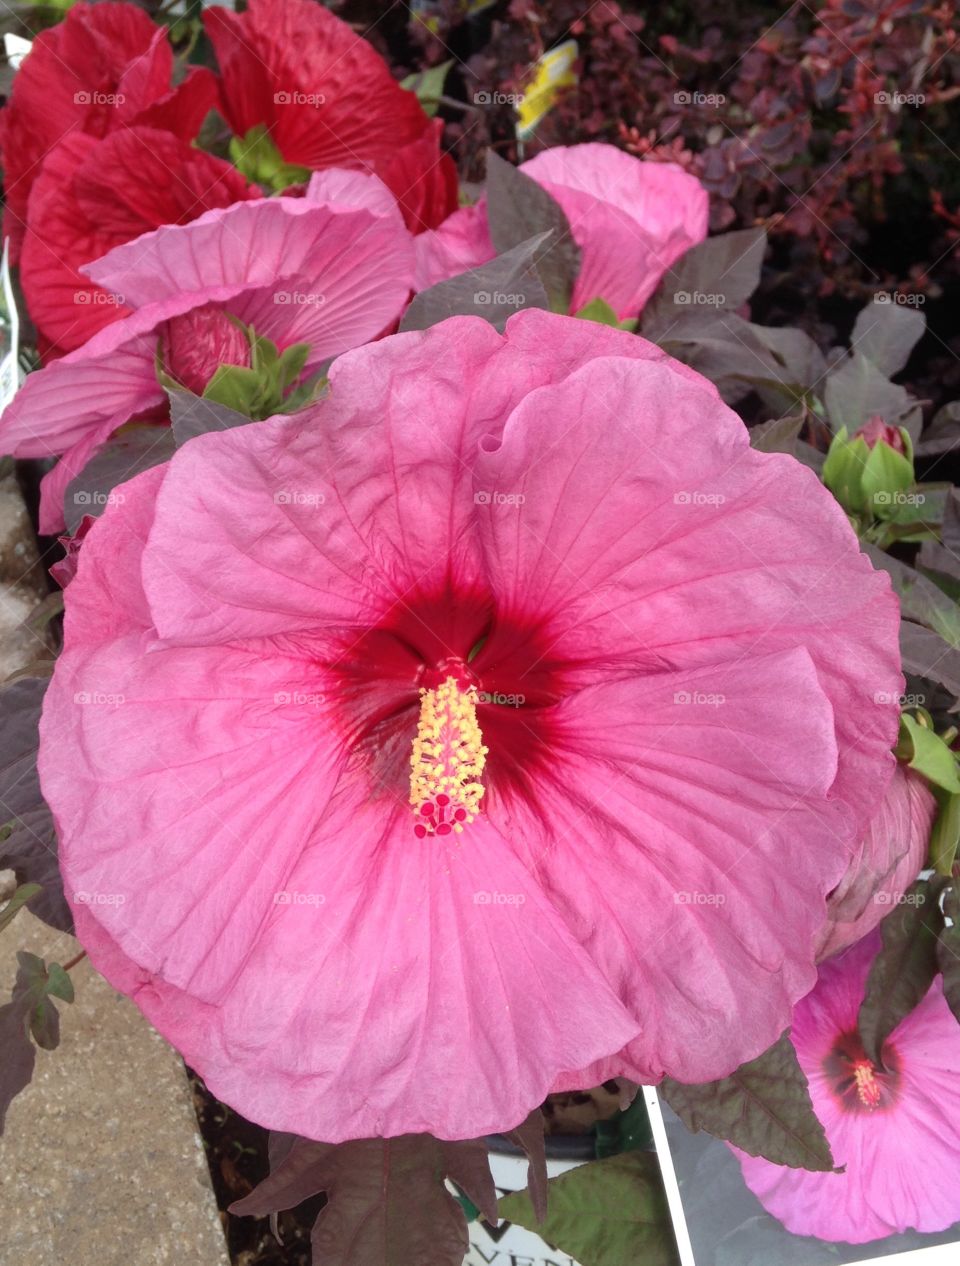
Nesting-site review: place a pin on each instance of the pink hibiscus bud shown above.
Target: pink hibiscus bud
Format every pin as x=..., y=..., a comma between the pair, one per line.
x=885, y=863
x=197, y=343
x=875, y=429
x=892, y=1124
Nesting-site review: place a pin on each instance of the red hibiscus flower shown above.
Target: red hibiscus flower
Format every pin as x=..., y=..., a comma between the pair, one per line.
x=93, y=195
x=104, y=68
x=326, y=98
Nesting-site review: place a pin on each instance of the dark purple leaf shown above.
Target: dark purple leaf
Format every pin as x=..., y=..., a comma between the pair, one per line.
x=18, y=1054
x=127, y=454
x=904, y=969
x=30, y=847
x=192, y=415
x=886, y=332
x=720, y=273
x=764, y=1108
x=519, y=209
x=529, y=1136
x=493, y=291
x=386, y=1199
x=948, y=951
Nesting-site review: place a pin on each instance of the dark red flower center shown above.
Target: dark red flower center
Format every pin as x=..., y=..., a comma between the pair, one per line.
x=859, y=1084
x=479, y=677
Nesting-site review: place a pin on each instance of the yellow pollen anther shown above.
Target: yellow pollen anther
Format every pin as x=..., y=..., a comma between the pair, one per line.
x=447, y=760
x=868, y=1089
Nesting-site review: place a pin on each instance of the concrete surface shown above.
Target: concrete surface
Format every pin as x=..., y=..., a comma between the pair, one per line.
x=101, y=1163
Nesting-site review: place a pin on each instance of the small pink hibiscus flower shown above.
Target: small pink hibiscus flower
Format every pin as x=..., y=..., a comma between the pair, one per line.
x=502, y=718
x=885, y=863
x=631, y=220
x=332, y=270
x=894, y=1127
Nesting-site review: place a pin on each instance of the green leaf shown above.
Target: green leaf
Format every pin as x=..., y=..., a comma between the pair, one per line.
x=493, y=291
x=945, y=834
x=600, y=311
x=518, y=210
x=886, y=333
x=926, y=752
x=904, y=969
x=59, y=984
x=764, y=1108
x=19, y=899
x=428, y=85
x=605, y=1213
x=948, y=951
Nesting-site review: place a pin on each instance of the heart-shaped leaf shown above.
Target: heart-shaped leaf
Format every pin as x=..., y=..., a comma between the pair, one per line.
x=764, y=1108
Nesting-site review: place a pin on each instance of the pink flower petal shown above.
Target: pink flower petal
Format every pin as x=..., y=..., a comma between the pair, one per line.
x=885, y=862
x=360, y=524
x=689, y=776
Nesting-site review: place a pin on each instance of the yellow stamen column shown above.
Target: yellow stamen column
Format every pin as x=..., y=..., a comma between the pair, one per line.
x=446, y=764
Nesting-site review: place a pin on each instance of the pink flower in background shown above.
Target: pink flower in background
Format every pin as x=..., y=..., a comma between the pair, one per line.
x=885, y=863
x=631, y=220
x=466, y=722
x=332, y=270
x=892, y=1127
x=875, y=430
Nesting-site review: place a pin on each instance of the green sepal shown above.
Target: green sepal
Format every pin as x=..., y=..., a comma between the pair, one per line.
x=256, y=157
x=919, y=747
x=945, y=835
x=600, y=311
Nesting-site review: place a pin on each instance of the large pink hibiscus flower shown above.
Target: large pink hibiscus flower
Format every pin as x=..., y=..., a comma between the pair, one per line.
x=631, y=220
x=501, y=719
x=331, y=270
x=894, y=1128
